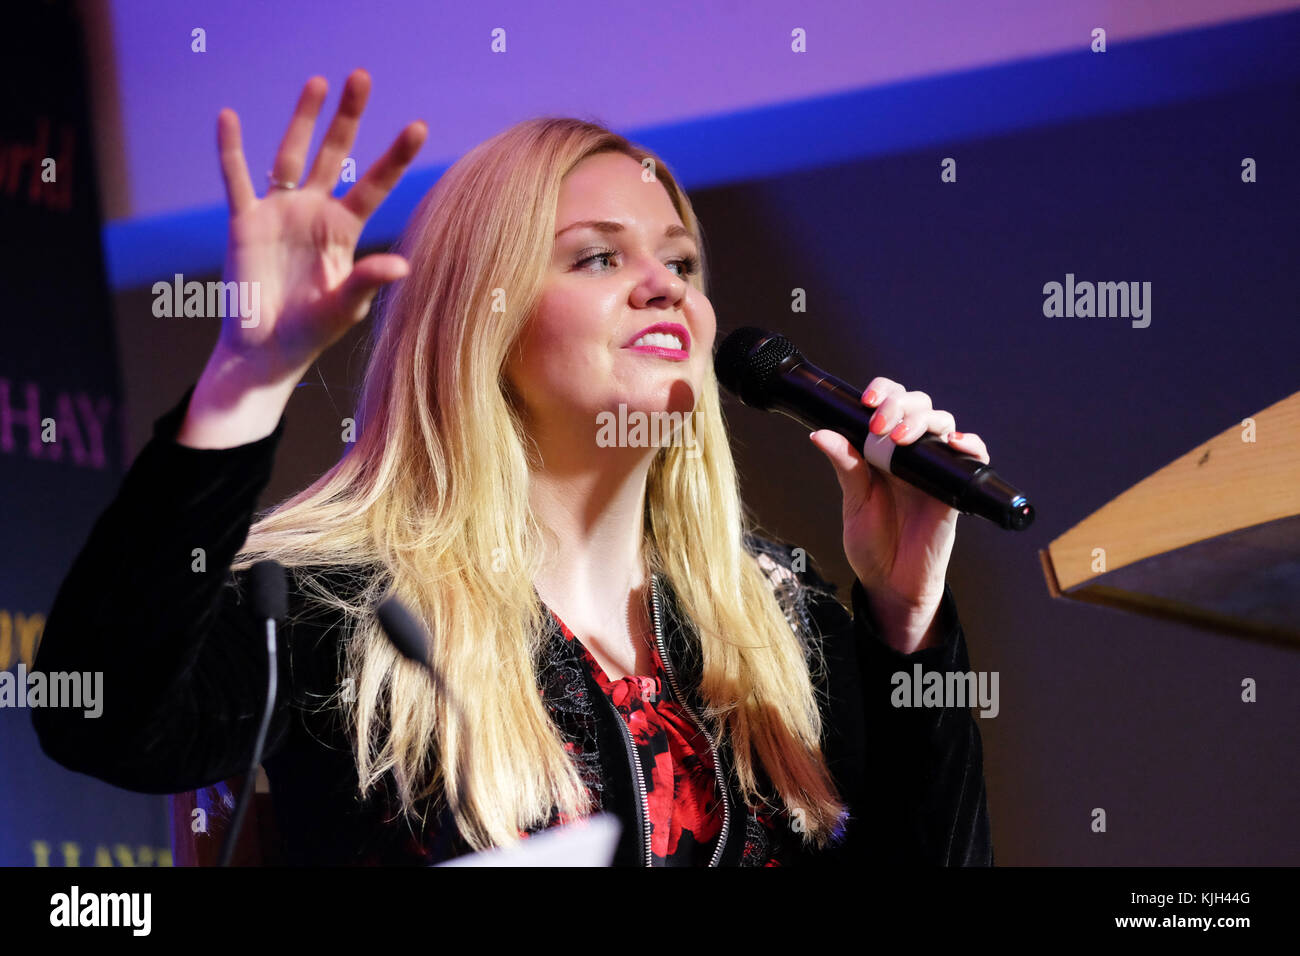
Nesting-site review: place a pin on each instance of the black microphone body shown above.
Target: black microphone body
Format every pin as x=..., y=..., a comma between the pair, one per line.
x=764, y=370
x=411, y=640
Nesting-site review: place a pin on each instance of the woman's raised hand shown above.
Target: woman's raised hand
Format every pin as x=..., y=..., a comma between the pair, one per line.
x=297, y=245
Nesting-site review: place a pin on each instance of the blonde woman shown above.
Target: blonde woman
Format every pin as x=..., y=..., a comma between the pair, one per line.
x=613, y=634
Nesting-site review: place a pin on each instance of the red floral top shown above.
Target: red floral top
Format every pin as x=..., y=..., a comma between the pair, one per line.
x=685, y=809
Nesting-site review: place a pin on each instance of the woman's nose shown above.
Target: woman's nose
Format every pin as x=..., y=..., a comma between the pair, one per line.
x=661, y=283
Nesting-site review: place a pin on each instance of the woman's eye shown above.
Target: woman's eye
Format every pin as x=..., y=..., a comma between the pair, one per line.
x=687, y=265
x=598, y=255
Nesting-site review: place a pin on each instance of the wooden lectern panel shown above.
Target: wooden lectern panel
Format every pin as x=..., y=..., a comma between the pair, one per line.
x=1212, y=539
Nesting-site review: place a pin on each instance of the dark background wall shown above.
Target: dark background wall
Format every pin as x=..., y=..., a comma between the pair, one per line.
x=939, y=286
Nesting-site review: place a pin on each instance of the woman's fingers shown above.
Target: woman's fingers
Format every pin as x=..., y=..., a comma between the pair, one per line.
x=915, y=416
x=886, y=396
x=922, y=419
x=352, y=297
x=906, y=416
x=234, y=169
x=292, y=156
x=914, y=426
x=896, y=408
x=342, y=132
x=878, y=388
x=970, y=444
x=364, y=198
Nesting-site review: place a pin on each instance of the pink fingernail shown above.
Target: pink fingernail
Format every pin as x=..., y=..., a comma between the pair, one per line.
x=871, y=397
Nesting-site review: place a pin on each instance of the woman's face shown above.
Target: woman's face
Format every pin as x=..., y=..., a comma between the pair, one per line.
x=618, y=269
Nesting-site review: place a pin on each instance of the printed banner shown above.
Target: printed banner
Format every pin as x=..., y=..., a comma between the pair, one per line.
x=61, y=449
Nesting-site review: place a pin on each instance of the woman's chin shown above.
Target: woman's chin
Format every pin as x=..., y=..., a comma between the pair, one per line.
x=648, y=409
x=677, y=397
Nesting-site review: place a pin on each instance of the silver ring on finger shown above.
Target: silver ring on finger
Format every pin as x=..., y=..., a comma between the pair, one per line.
x=279, y=183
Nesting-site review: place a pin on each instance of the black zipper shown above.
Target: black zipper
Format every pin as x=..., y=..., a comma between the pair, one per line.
x=638, y=775
x=717, y=762
x=638, y=787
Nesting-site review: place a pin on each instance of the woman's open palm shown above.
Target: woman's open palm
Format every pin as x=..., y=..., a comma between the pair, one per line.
x=298, y=243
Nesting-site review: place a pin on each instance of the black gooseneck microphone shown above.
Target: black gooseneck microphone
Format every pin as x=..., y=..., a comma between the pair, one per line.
x=764, y=370
x=412, y=642
x=270, y=603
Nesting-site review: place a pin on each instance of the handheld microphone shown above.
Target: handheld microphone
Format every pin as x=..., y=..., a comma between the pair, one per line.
x=270, y=602
x=764, y=370
x=412, y=642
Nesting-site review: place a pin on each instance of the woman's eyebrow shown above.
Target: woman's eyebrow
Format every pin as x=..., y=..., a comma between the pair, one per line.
x=608, y=226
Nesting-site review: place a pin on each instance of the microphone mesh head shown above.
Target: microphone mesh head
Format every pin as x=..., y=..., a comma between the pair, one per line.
x=403, y=630
x=747, y=361
x=270, y=592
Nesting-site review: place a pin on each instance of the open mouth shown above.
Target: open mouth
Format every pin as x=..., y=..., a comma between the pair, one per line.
x=666, y=340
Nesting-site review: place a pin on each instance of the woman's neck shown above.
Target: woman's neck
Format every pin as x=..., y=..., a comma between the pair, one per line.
x=596, y=518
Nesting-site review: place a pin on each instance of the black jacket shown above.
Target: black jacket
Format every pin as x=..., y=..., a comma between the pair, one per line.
x=184, y=665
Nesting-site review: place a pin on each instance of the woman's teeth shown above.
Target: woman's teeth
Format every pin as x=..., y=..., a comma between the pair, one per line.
x=663, y=340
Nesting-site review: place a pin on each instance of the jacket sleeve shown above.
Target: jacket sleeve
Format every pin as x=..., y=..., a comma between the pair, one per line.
x=913, y=776
x=151, y=603
x=929, y=761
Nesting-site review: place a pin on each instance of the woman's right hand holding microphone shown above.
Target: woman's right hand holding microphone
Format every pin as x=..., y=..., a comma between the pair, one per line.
x=298, y=245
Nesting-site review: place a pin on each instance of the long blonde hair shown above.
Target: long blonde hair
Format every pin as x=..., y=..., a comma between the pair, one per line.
x=433, y=497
